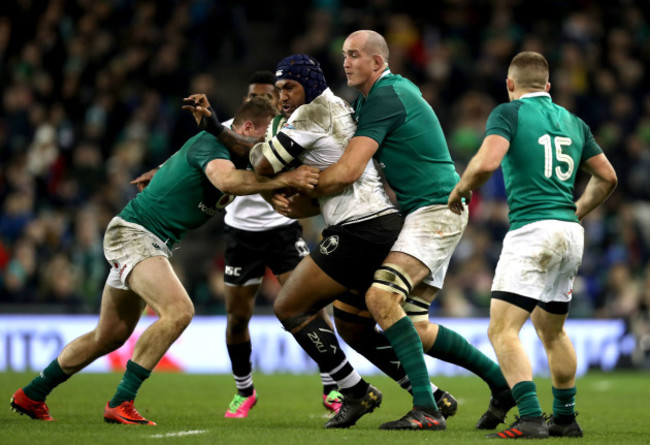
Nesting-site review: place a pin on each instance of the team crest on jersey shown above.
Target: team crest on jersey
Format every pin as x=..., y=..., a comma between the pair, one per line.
x=288, y=125
x=329, y=244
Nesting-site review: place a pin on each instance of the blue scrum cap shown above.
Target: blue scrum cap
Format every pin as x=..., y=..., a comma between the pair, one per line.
x=305, y=70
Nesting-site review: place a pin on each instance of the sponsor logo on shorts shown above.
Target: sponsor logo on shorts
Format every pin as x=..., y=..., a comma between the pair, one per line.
x=233, y=271
x=329, y=244
x=302, y=247
x=156, y=246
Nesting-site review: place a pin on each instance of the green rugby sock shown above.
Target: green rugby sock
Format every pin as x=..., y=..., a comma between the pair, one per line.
x=130, y=384
x=408, y=347
x=525, y=393
x=48, y=379
x=564, y=402
x=453, y=348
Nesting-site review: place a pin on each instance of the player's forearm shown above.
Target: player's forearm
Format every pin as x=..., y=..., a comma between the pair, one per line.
x=473, y=178
x=244, y=182
x=596, y=192
x=484, y=163
x=334, y=179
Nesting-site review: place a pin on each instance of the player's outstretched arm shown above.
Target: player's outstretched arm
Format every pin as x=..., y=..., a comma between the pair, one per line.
x=602, y=183
x=206, y=119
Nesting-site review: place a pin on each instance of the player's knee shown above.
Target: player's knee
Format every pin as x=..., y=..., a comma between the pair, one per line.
x=493, y=332
x=238, y=321
x=180, y=316
x=391, y=285
x=550, y=337
x=392, y=278
x=280, y=309
x=111, y=338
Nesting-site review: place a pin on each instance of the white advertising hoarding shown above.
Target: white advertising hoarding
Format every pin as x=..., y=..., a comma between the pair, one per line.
x=30, y=342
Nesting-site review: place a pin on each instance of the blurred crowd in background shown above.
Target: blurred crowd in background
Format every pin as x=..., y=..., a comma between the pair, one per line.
x=91, y=97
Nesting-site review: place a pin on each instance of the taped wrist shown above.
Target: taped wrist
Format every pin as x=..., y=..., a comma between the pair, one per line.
x=211, y=124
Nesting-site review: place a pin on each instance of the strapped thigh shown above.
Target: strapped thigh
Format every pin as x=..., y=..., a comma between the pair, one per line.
x=392, y=278
x=416, y=308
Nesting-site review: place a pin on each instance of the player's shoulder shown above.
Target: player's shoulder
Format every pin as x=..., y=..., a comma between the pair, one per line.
x=317, y=112
x=508, y=110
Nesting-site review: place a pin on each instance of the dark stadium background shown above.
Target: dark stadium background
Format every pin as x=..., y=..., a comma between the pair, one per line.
x=91, y=94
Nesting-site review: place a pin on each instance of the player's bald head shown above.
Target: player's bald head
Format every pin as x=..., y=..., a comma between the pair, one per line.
x=529, y=70
x=372, y=43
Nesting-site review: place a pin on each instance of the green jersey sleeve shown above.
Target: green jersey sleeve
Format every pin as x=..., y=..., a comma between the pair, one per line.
x=205, y=149
x=591, y=148
x=382, y=113
x=503, y=121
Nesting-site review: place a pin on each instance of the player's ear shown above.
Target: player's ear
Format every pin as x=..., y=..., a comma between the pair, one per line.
x=246, y=127
x=548, y=87
x=510, y=85
x=379, y=62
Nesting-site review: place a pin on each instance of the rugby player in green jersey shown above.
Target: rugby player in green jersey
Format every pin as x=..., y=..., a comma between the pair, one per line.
x=193, y=185
x=540, y=147
x=399, y=129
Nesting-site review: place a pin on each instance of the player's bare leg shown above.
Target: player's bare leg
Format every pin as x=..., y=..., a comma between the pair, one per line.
x=506, y=321
x=119, y=314
x=563, y=365
x=154, y=280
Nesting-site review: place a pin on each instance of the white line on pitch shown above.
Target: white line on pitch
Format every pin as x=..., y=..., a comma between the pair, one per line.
x=178, y=434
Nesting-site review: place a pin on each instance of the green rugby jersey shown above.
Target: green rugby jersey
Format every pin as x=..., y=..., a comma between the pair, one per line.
x=547, y=146
x=180, y=196
x=412, y=150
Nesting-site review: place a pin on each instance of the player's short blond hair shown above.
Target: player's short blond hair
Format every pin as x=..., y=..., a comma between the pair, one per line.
x=529, y=70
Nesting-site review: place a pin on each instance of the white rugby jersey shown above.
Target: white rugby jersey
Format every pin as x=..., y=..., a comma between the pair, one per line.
x=252, y=212
x=317, y=135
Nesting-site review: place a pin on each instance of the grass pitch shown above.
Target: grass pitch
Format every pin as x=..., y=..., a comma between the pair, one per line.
x=189, y=410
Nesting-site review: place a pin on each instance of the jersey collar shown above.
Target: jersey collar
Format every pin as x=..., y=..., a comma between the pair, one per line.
x=537, y=94
x=384, y=74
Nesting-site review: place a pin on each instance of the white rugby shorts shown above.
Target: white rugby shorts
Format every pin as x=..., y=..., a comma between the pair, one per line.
x=540, y=260
x=431, y=234
x=125, y=245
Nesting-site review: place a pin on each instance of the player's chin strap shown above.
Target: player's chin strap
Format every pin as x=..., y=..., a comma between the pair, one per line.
x=392, y=278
